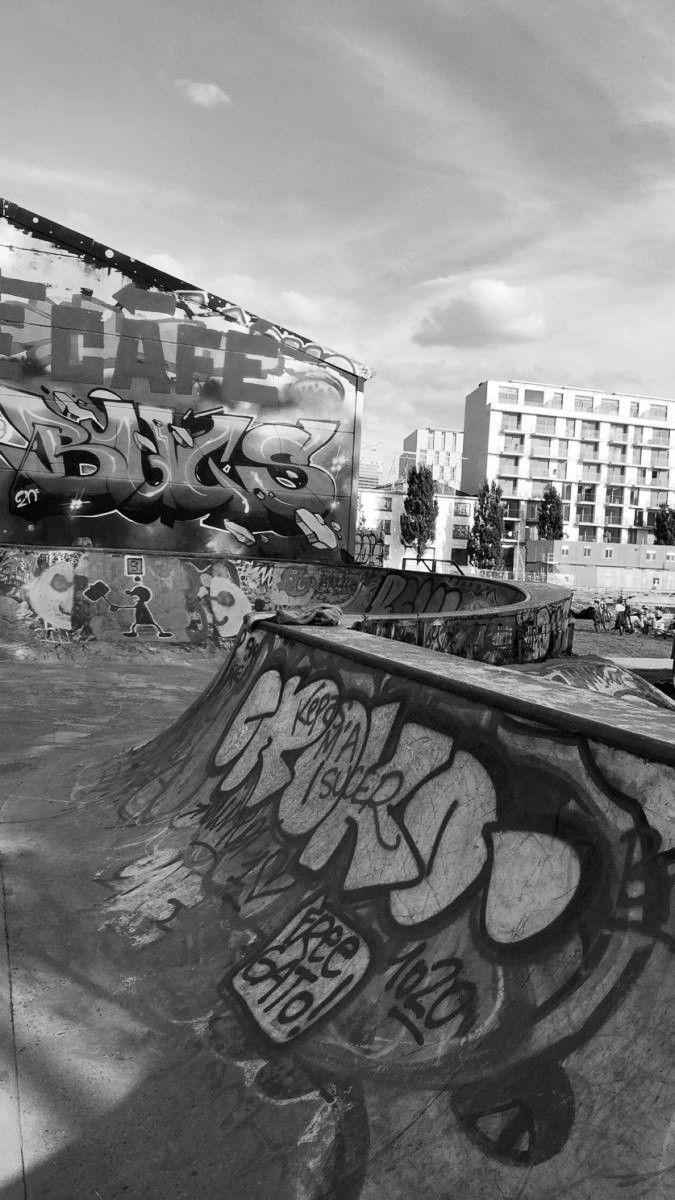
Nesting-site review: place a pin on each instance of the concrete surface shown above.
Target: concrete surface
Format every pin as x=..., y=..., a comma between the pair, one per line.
x=146, y=899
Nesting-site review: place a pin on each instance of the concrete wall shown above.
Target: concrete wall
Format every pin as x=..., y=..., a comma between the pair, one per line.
x=89, y=597
x=139, y=412
x=476, y=438
x=435, y=895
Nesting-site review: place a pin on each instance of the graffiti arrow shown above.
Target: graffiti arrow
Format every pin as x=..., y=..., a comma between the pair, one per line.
x=133, y=298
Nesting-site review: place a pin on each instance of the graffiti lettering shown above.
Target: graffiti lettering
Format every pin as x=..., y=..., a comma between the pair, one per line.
x=105, y=455
x=311, y=966
x=430, y=997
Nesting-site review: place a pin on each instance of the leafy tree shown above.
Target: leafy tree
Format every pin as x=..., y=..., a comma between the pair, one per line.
x=664, y=526
x=550, y=514
x=484, y=546
x=418, y=520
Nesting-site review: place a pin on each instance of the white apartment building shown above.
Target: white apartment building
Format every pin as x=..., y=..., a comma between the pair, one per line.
x=381, y=510
x=608, y=455
x=439, y=449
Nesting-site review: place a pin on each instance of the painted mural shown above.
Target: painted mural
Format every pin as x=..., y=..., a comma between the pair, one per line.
x=161, y=417
x=427, y=907
x=84, y=596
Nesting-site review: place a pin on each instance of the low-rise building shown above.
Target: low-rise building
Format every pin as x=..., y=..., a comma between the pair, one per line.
x=380, y=510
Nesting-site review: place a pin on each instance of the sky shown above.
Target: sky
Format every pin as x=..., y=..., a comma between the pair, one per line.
x=445, y=190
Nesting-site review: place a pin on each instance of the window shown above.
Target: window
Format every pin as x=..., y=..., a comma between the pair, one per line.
x=590, y=429
x=508, y=466
x=617, y=454
x=539, y=468
x=611, y=535
x=632, y=537
x=569, y=427
x=511, y=510
x=508, y=395
x=650, y=555
x=614, y=495
x=461, y=509
x=659, y=458
x=566, y=512
x=386, y=528
x=586, y=533
x=460, y=531
x=651, y=517
x=587, y=552
x=532, y=511
x=609, y=554
x=634, y=496
x=609, y=404
x=563, y=447
x=661, y=437
x=588, y=450
x=585, y=514
x=634, y=409
x=618, y=433
x=587, y=492
x=658, y=412
x=670, y=556
x=567, y=491
x=540, y=446
x=583, y=404
x=556, y=400
x=612, y=516
x=533, y=396
x=385, y=553
x=510, y=422
x=638, y=518
x=545, y=425
x=637, y=456
x=656, y=581
x=386, y=504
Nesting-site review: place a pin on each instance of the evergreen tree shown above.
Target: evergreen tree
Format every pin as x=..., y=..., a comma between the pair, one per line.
x=550, y=515
x=664, y=526
x=418, y=520
x=484, y=546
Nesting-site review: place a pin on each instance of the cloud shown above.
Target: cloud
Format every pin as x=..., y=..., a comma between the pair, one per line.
x=204, y=95
x=490, y=312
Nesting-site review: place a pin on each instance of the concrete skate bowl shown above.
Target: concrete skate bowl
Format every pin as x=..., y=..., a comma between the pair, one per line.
x=430, y=901
x=105, y=600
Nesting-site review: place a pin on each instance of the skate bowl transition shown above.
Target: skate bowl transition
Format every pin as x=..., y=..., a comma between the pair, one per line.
x=427, y=904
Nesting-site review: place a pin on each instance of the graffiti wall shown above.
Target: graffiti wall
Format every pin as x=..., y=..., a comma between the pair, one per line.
x=528, y=633
x=142, y=413
x=84, y=596
x=436, y=914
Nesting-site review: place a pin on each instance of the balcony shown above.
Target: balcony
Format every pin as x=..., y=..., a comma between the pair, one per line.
x=616, y=475
x=592, y=475
x=511, y=448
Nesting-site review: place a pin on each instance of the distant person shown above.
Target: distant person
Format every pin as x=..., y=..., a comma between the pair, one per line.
x=619, y=615
x=597, y=615
x=627, y=618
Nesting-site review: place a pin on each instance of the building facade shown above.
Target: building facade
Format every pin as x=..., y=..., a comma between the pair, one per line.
x=439, y=449
x=608, y=455
x=380, y=513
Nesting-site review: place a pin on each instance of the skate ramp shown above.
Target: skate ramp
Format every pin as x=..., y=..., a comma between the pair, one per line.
x=424, y=905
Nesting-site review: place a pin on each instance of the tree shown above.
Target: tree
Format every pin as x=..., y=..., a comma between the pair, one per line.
x=418, y=520
x=664, y=526
x=550, y=515
x=484, y=546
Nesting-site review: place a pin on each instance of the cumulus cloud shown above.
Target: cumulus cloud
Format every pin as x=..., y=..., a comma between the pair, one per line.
x=204, y=95
x=489, y=312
